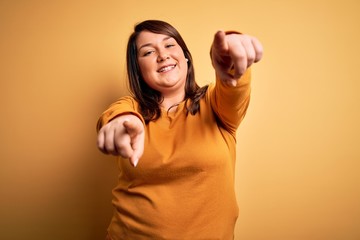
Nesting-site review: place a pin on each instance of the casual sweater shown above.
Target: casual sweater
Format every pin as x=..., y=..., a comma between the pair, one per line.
x=183, y=185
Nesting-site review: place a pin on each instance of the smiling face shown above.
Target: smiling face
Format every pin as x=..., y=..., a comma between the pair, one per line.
x=162, y=63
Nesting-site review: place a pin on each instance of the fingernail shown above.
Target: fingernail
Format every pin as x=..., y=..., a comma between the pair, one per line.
x=136, y=161
x=232, y=83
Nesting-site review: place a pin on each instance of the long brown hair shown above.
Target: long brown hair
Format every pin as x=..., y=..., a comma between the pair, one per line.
x=149, y=99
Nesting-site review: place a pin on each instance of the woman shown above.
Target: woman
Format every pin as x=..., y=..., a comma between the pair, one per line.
x=179, y=139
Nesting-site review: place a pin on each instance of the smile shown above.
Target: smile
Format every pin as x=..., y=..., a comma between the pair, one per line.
x=167, y=68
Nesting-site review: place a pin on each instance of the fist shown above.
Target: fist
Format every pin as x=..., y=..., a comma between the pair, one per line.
x=123, y=136
x=234, y=51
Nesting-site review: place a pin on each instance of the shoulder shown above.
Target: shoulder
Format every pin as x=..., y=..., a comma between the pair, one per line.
x=126, y=100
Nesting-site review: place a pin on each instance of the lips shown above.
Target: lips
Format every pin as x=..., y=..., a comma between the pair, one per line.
x=166, y=68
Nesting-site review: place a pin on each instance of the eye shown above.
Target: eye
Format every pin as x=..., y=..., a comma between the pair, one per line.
x=169, y=45
x=147, y=53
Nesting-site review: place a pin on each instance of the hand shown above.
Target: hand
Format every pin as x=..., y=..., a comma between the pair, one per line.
x=238, y=51
x=123, y=136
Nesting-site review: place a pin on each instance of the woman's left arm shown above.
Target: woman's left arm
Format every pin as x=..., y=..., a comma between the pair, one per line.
x=232, y=54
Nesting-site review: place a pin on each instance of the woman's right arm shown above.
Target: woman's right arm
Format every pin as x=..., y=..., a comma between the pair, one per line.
x=121, y=131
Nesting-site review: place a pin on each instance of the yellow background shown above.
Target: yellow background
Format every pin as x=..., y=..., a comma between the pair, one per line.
x=62, y=64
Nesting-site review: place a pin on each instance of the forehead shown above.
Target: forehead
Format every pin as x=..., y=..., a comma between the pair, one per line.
x=147, y=38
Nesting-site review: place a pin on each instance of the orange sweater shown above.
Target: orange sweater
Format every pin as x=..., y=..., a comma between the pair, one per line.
x=183, y=186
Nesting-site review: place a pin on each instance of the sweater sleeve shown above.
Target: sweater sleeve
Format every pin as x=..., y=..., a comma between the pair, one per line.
x=125, y=105
x=230, y=103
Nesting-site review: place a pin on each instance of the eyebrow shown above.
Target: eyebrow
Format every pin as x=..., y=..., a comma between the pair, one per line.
x=149, y=44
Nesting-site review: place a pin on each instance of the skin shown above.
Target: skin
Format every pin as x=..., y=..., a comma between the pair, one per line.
x=124, y=136
x=163, y=66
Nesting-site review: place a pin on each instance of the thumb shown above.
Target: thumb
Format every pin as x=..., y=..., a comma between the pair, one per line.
x=219, y=44
x=220, y=56
x=133, y=128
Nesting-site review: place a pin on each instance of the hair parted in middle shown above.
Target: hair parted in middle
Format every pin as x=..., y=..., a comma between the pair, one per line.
x=149, y=99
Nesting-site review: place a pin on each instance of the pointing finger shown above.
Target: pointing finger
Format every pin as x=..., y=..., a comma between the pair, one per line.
x=239, y=58
x=138, y=149
x=249, y=51
x=136, y=132
x=122, y=144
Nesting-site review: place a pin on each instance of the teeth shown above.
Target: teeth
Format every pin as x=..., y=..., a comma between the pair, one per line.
x=164, y=69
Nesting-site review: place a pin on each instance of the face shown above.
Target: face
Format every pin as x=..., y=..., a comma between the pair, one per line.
x=162, y=63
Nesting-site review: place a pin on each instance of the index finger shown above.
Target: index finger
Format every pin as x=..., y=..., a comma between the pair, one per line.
x=138, y=149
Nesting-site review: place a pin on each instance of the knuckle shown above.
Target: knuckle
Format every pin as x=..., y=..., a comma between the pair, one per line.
x=239, y=55
x=99, y=142
x=122, y=147
x=251, y=57
x=109, y=147
x=100, y=146
x=123, y=153
x=241, y=71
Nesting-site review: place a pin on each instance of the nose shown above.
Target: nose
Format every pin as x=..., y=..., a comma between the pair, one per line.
x=163, y=55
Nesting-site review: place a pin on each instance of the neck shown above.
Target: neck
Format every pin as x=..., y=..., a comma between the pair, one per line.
x=170, y=102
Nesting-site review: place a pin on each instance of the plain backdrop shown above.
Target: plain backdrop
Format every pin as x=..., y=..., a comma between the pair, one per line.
x=62, y=63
